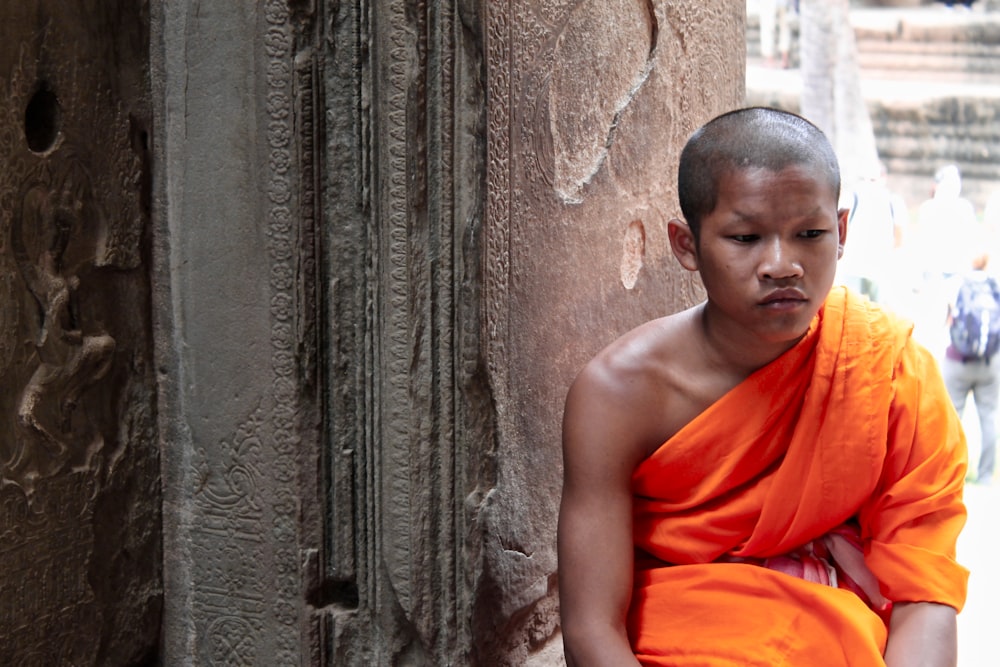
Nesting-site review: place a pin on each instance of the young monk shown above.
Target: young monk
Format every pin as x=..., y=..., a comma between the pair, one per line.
x=774, y=476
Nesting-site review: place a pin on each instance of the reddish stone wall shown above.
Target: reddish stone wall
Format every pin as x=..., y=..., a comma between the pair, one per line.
x=590, y=103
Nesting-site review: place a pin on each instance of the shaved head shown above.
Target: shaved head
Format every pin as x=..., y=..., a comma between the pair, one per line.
x=756, y=137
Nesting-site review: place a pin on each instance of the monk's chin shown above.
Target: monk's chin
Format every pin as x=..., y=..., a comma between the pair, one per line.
x=788, y=332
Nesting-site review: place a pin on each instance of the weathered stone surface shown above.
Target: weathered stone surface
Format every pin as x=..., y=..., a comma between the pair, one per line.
x=233, y=262
x=590, y=58
x=561, y=271
x=79, y=477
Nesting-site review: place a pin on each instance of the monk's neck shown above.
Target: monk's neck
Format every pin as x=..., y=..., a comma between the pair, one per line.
x=730, y=349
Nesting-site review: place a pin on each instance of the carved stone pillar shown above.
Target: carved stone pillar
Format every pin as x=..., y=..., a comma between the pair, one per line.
x=79, y=474
x=408, y=415
x=235, y=262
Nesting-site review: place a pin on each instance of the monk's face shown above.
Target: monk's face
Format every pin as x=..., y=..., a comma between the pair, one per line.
x=768, y=252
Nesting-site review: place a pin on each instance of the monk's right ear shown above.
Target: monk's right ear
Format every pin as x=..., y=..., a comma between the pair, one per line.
x=683, y=244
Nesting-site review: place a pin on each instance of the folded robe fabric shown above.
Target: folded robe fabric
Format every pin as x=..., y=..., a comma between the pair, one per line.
x=853, y=423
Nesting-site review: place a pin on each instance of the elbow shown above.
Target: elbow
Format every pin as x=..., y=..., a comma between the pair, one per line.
x=570, y=640
x=595, y=645
x=575, y=641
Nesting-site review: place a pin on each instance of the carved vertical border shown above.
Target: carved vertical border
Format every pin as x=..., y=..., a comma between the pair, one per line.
x=499, y=39
x=309, y=109
x=283, y=240
x=414, y=453
x=448, y=508
x=403, y=345
x=395, y=421
x=410, y=351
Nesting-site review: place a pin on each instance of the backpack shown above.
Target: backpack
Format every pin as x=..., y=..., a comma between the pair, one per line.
x=975, y=325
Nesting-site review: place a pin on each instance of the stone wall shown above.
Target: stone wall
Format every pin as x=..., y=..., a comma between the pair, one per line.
x=589, y=105
x=80, y=557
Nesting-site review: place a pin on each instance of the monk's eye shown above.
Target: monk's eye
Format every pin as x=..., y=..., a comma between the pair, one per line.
x=744, y=238
x=813, y=233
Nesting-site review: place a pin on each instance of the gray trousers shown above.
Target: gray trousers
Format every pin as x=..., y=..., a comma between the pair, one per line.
x=982, y=379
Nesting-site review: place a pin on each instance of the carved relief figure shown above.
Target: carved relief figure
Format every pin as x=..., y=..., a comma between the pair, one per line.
x=69, y=360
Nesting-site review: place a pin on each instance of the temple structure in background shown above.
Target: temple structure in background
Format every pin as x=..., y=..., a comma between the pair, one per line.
x=931, y=84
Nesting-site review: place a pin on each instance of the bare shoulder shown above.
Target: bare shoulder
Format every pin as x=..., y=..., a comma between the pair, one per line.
x=623, y=400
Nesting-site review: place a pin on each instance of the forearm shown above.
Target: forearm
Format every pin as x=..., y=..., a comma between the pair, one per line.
x=922, y=634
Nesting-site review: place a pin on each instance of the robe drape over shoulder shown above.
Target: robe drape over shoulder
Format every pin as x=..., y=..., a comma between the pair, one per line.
x=853, y=423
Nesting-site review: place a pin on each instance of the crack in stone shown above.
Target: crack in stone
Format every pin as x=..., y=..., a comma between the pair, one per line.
x=570, y=186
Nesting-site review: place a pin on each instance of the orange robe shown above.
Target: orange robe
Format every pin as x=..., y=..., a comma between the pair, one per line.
x=852, y=423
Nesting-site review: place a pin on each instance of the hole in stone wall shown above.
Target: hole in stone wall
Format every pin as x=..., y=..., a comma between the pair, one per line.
x=41, y=120
x=335, y=593
x=344, y=594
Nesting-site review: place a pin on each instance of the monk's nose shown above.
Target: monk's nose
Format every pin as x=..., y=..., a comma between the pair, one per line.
x=778, y=262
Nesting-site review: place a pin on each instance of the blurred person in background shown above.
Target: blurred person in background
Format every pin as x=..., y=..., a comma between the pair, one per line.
x=944, y=238
x=948, y=224
x=876, y=222
x=971, y=364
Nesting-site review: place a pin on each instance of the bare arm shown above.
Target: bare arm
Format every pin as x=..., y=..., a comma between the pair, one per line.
x=922, y=634
x=595, y=525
